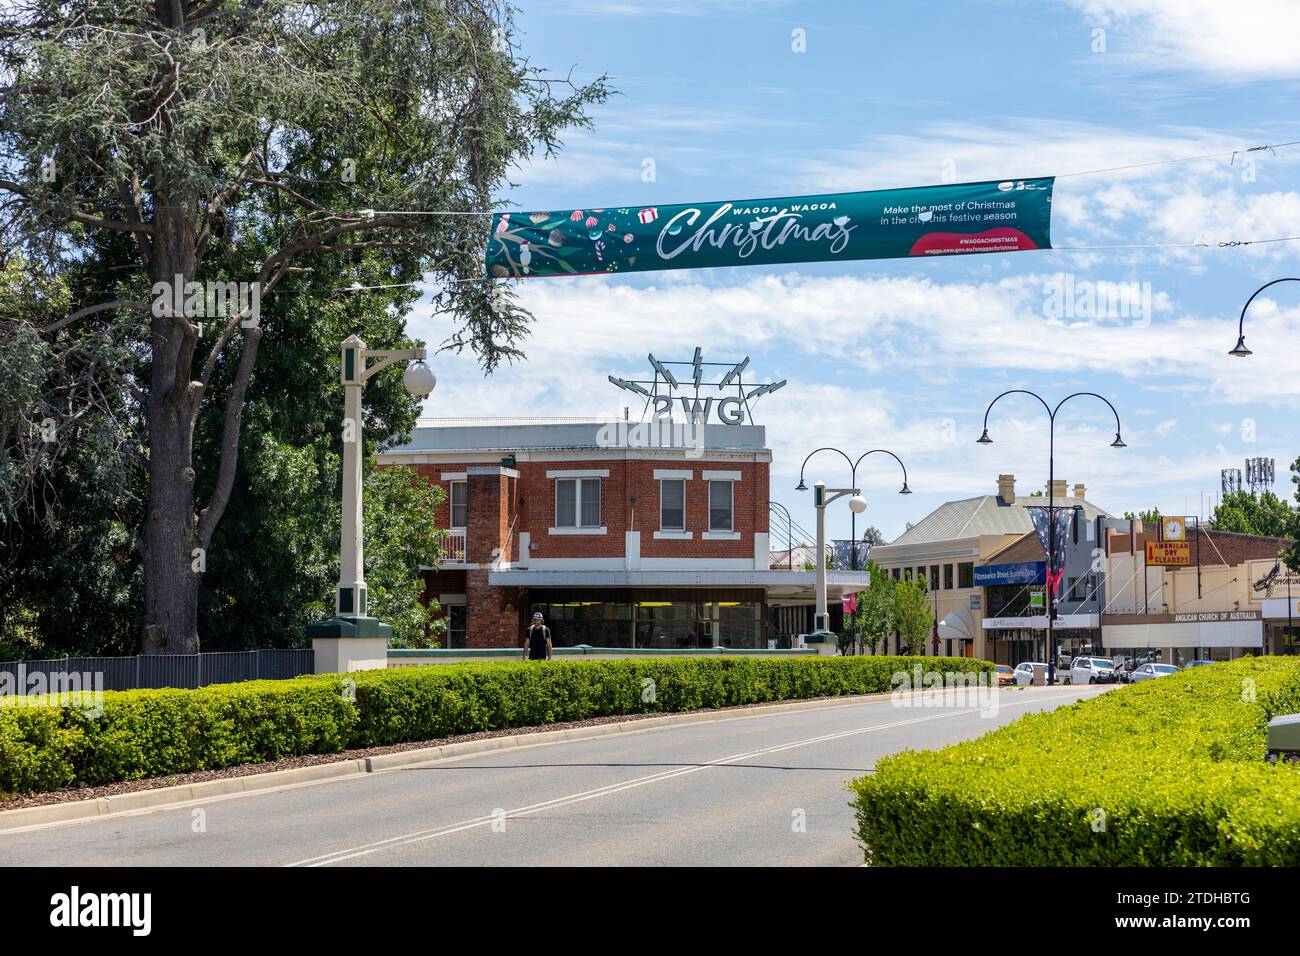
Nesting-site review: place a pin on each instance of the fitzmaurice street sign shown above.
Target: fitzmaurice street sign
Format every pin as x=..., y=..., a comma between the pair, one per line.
x=947, y=220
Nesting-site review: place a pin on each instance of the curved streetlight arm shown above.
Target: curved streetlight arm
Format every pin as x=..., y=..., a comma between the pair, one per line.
x=885, y=451
x=846, y=458
x=785, y=512
x=1241, y=323
x=789, y=530
x=1015, y=391
x=389, y=357
x=1118, y=427
x=783, y=508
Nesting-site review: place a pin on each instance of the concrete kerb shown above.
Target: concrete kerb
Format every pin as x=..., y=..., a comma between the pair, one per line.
x=28, y=817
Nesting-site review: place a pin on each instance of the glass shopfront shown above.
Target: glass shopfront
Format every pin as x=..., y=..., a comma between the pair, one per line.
x=671, y=618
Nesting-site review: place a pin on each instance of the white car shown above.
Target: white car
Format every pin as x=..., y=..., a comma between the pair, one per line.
x=1092, y=670
x=1152, y=671
x=1025, y=672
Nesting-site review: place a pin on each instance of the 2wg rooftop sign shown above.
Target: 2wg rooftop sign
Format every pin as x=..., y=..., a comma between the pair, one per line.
x=702, y=389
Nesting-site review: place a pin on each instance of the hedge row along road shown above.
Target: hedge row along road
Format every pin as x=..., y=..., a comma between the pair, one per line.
x=740, y=788
x=151, y=733
x=1165, y=773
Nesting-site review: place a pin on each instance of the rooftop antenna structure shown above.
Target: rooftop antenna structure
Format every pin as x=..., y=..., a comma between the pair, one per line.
x=1260, y=474
x=1230, y=481
x=692, y=378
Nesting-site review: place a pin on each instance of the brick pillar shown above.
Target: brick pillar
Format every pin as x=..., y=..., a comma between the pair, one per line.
x=492, y=613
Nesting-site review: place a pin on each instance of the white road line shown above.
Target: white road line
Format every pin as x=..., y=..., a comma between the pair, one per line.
x=366, y=849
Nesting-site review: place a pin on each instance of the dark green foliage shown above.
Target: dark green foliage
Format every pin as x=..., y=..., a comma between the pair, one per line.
x=147, y=733
x=1247, y=513
x=1165, y=773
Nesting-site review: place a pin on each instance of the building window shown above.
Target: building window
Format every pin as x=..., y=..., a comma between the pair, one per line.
x=459, y=497
x=455, y=622
x=657, y=619
x=577, y=502
x=672, y=504
x=947, y=577
x=720, y=505
x=934, y=577
x=966, y=574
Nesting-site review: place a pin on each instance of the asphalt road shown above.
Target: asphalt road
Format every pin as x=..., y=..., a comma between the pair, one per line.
x=750, y=790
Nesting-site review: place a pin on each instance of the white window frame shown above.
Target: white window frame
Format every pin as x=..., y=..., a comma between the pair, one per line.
x=731, y=507
x=451, y=503
x=578, y=527
x=678, y=529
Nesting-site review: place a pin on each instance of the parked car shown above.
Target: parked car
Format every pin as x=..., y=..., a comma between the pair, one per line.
x=1025, y=671
x=1152, y=671
x=1092, y=670
x=1284, y=739
x=1006, y=676
x=1197, y=663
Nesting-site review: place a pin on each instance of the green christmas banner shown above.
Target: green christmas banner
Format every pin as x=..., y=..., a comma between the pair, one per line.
x=957, y=219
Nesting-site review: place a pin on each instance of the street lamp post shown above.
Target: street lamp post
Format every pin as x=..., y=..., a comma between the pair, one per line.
x=1240, y=350
x=352, y=639
x=822, y=496
x=984, y=439
x=853, y=479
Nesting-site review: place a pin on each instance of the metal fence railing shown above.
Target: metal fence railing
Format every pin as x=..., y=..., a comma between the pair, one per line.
x=155, y=670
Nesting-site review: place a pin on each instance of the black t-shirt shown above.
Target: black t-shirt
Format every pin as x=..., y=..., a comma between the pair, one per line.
x=537, y=637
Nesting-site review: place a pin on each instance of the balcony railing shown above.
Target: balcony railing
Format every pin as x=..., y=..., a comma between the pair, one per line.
x=456, y=546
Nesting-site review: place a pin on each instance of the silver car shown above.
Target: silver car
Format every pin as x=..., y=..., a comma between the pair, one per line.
x=1025, y=672
x=1152, y=671
x=1092, y=670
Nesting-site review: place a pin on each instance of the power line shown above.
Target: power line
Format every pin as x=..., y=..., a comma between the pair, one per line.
x=1181, y=159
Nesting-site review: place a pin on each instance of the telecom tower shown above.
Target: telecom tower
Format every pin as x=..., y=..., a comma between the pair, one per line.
x=1230, y=481
x=1260, y=474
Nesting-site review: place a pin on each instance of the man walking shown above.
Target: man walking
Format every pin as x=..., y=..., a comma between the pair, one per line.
x=537, y=640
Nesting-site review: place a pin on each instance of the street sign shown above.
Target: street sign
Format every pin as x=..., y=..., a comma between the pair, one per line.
x=1169, y=553
x=1026, y=572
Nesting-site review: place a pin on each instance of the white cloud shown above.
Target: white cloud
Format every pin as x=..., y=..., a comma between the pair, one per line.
x=1245, y=40
x=868, y=324
x=1228, y=195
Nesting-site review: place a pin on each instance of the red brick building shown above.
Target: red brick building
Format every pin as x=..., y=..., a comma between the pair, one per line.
x=621, y=534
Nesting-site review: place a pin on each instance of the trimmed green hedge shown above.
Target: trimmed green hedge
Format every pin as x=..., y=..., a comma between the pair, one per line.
x=150, y=733
x=1169, y=772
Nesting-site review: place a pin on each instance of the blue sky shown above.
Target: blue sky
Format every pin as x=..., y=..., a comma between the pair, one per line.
x=906, y=354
